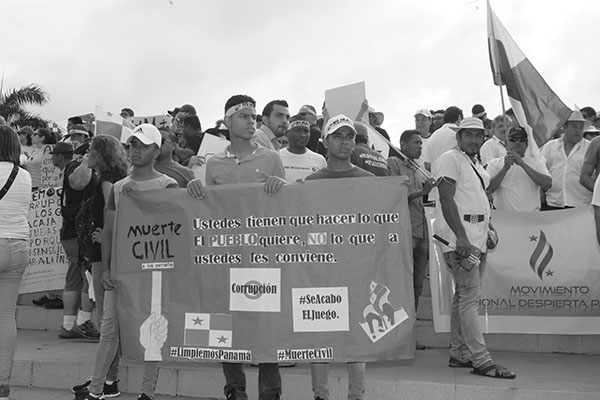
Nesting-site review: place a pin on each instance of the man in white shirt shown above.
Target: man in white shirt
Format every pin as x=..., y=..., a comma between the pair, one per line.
x=443, y=139
x=463, y=220
x=495, y=147
x=423, y=123
x=564, y=159
x=298, y=161
x=516, y=179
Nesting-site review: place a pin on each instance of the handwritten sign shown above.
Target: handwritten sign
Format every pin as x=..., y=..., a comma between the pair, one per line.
x=47, y=264
x=160, y=121
x=51, y=175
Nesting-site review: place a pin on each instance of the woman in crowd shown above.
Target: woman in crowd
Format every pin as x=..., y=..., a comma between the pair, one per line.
x=25, y=135
x=108, y=158
x=33, y=164
x=15, y=195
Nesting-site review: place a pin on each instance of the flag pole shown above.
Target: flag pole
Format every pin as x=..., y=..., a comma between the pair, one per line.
x=504, y=115
x=498, y=77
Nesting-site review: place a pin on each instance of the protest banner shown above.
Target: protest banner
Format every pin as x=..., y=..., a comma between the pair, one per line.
x=47, y=264
x=543, y=278
x=159, y=121
x=321, y=271
x=210, y=146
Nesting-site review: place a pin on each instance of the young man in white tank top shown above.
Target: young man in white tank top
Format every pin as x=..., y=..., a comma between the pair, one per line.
x=144, y=147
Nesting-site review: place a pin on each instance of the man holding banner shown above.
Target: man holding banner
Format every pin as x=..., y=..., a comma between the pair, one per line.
x=245, y=162
x=144, y=146
x=463, y=223
x=339, y=141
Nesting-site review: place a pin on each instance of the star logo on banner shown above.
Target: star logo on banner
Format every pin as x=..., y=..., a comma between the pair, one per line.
x=549, y=273
x=109, y=114
x=222, y=339
x=198, y=321
x=533, y=238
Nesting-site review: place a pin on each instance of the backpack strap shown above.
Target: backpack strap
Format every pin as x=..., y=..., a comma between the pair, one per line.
x=9, y=181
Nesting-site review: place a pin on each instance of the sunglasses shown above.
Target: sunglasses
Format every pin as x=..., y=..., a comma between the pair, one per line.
x=515, y=140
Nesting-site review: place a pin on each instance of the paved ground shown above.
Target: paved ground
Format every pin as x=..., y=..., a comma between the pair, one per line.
x=46, y=367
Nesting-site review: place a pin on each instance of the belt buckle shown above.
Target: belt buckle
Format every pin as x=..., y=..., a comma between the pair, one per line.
x=473, y=219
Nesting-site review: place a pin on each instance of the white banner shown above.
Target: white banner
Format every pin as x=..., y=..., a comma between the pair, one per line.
x=543, y=278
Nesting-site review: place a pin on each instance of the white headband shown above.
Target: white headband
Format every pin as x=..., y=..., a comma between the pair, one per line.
x=299, y=124
x=233, y=109
x=78, y=132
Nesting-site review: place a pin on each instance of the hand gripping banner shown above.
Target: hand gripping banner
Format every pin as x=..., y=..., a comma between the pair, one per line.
x=321, y=271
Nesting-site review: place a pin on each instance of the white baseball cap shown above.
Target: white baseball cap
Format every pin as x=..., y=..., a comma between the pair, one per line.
x=147, y=134
x=336, y=123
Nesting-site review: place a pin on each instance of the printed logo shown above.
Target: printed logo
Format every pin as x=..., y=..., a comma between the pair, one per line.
x=380, y=317
x=541, y=256
x=255, y=289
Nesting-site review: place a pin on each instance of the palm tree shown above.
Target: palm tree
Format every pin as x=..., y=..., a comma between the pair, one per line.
x=12, y=105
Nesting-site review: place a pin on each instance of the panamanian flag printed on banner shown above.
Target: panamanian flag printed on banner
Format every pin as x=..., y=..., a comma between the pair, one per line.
x=202, y=329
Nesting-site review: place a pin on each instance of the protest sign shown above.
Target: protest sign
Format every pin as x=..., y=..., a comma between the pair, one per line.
x=543, y=277
x=345, y=100
x=51, y=176
x=322, y=271
x=159, y=121
x=47, y=264
x=348, y=100
x=210, y=146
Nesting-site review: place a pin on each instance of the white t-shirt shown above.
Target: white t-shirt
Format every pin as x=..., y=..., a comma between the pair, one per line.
x=299, y=166
x=492, y=148
x=565, y=170
x=517, y=191
x=14, y=206
x=439, y=142
x=160, y=182
x=470, y=198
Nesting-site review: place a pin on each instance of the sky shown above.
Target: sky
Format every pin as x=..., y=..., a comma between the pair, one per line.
x=154, y=55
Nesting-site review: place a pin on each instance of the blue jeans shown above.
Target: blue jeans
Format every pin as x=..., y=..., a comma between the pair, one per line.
x=269, y=381
x=14, y=254
x=466, y=337
x=356, y=380
x=108, y=348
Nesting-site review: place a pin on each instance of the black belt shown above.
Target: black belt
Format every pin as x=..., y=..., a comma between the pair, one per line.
x=474, y=218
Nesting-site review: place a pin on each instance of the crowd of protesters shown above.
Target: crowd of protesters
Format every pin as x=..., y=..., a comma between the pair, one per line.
x=464, y=166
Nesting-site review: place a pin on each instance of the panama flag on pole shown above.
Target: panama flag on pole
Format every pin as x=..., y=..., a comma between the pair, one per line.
x=537, y=107
x=108, y=123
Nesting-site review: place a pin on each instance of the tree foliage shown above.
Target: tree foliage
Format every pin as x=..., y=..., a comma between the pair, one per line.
x=14, y=101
